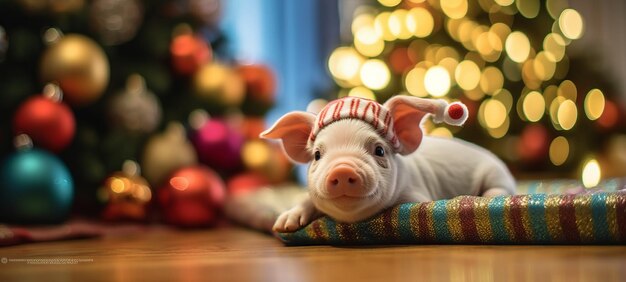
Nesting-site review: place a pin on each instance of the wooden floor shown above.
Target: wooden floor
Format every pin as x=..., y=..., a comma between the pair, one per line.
x=234, y=254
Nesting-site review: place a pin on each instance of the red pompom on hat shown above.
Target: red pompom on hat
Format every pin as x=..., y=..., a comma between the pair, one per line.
x=381, y=118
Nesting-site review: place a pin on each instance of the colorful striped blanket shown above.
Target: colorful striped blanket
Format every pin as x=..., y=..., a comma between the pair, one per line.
x=543, y=218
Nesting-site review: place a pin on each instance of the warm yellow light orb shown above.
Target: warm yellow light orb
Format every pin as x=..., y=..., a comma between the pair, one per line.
x=591, y=173
x=362, y=20
x=414, y=82
x=495, y=113
x=594, y=104
x=554, y=44
x=362, y=92
x=491, y=80
x=344, y=63
x=504, y=2
x=567, y=114
x=398, y=24
x=534, y=106
x=368, y=42
x=375, y=74
x=517, y=46
x=559, y=150
x=454, y=9
x=381, y=25
x=544, y=65
x=467, y=75
x=437, y=81
x=528, y=8
x=567, y=89
x=255, y=153
x=420, y=22
x=389, y=3
x=501, y=131
x=571, y=24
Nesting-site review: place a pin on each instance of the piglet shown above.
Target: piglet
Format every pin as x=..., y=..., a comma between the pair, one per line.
x=366, y=157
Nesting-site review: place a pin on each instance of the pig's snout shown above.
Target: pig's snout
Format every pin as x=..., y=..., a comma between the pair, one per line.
x=344, y=180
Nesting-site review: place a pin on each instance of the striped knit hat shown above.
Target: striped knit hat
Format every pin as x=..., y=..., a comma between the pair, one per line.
x=381, y=118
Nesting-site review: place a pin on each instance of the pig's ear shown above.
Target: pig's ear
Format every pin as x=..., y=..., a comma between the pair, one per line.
x=408, y=112
x=293, y=129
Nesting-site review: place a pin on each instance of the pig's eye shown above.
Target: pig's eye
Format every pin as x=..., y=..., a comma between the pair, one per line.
x=317, y=155
x=379, y=151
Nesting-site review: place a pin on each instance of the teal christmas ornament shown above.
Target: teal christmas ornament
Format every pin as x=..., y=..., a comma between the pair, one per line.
x=35, y=188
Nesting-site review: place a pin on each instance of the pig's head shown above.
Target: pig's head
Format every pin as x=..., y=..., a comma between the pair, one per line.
x=352, y=145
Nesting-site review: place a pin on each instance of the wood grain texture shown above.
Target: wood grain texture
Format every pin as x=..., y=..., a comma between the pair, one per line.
x=235, y=254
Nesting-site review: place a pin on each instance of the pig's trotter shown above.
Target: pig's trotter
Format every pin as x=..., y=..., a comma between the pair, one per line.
x=297, y=217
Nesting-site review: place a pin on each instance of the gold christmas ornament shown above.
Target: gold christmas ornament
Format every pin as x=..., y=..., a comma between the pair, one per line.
x=219, y=83
x=126, y=194
x=167, y=152
x=77, y=64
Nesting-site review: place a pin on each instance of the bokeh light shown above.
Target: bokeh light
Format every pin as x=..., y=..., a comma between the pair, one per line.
x=368, y=42
x=591, y=174
x=255, y=154
x=437, y=81
x=344, y=64
x=420, y=22
x=389, y=3
x=567, y=89
x=455, y=9
x=554, y=44
x=500, y=131
x=545, y=65
x=362, y=20
x=534, y=106
x=491, y=80
x=397, y=24
x=504, y=2
x=495, y=113
x=375, y=74
x=505, y=97
x=382, y=27
x=559, y=150
x=362, y=92
x=571, y=24
x=467, y=75
x=567, y=114
x=414, y=82
x=528, y=8
x=555, y=7
x=517, y=46
x=594, y=104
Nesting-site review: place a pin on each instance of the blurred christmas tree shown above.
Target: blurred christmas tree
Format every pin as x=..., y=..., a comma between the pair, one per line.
x=532, y=102
x=129, y=69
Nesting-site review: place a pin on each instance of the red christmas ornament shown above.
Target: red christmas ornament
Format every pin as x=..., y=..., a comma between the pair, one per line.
x=49, y=122
x=127, y=195
x=252, y=127
x=260, y=82
x=399, y=60
x=189, y=52
x=245, y=183
x=192, y=197
x=533, y=145
x=218, y=145
x=609, y=117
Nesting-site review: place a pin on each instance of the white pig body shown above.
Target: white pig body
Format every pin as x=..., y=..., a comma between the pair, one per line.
x=427, y=175
x=362, y=164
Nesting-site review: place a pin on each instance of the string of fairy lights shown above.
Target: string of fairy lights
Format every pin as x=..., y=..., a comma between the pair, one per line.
x=484, y=58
